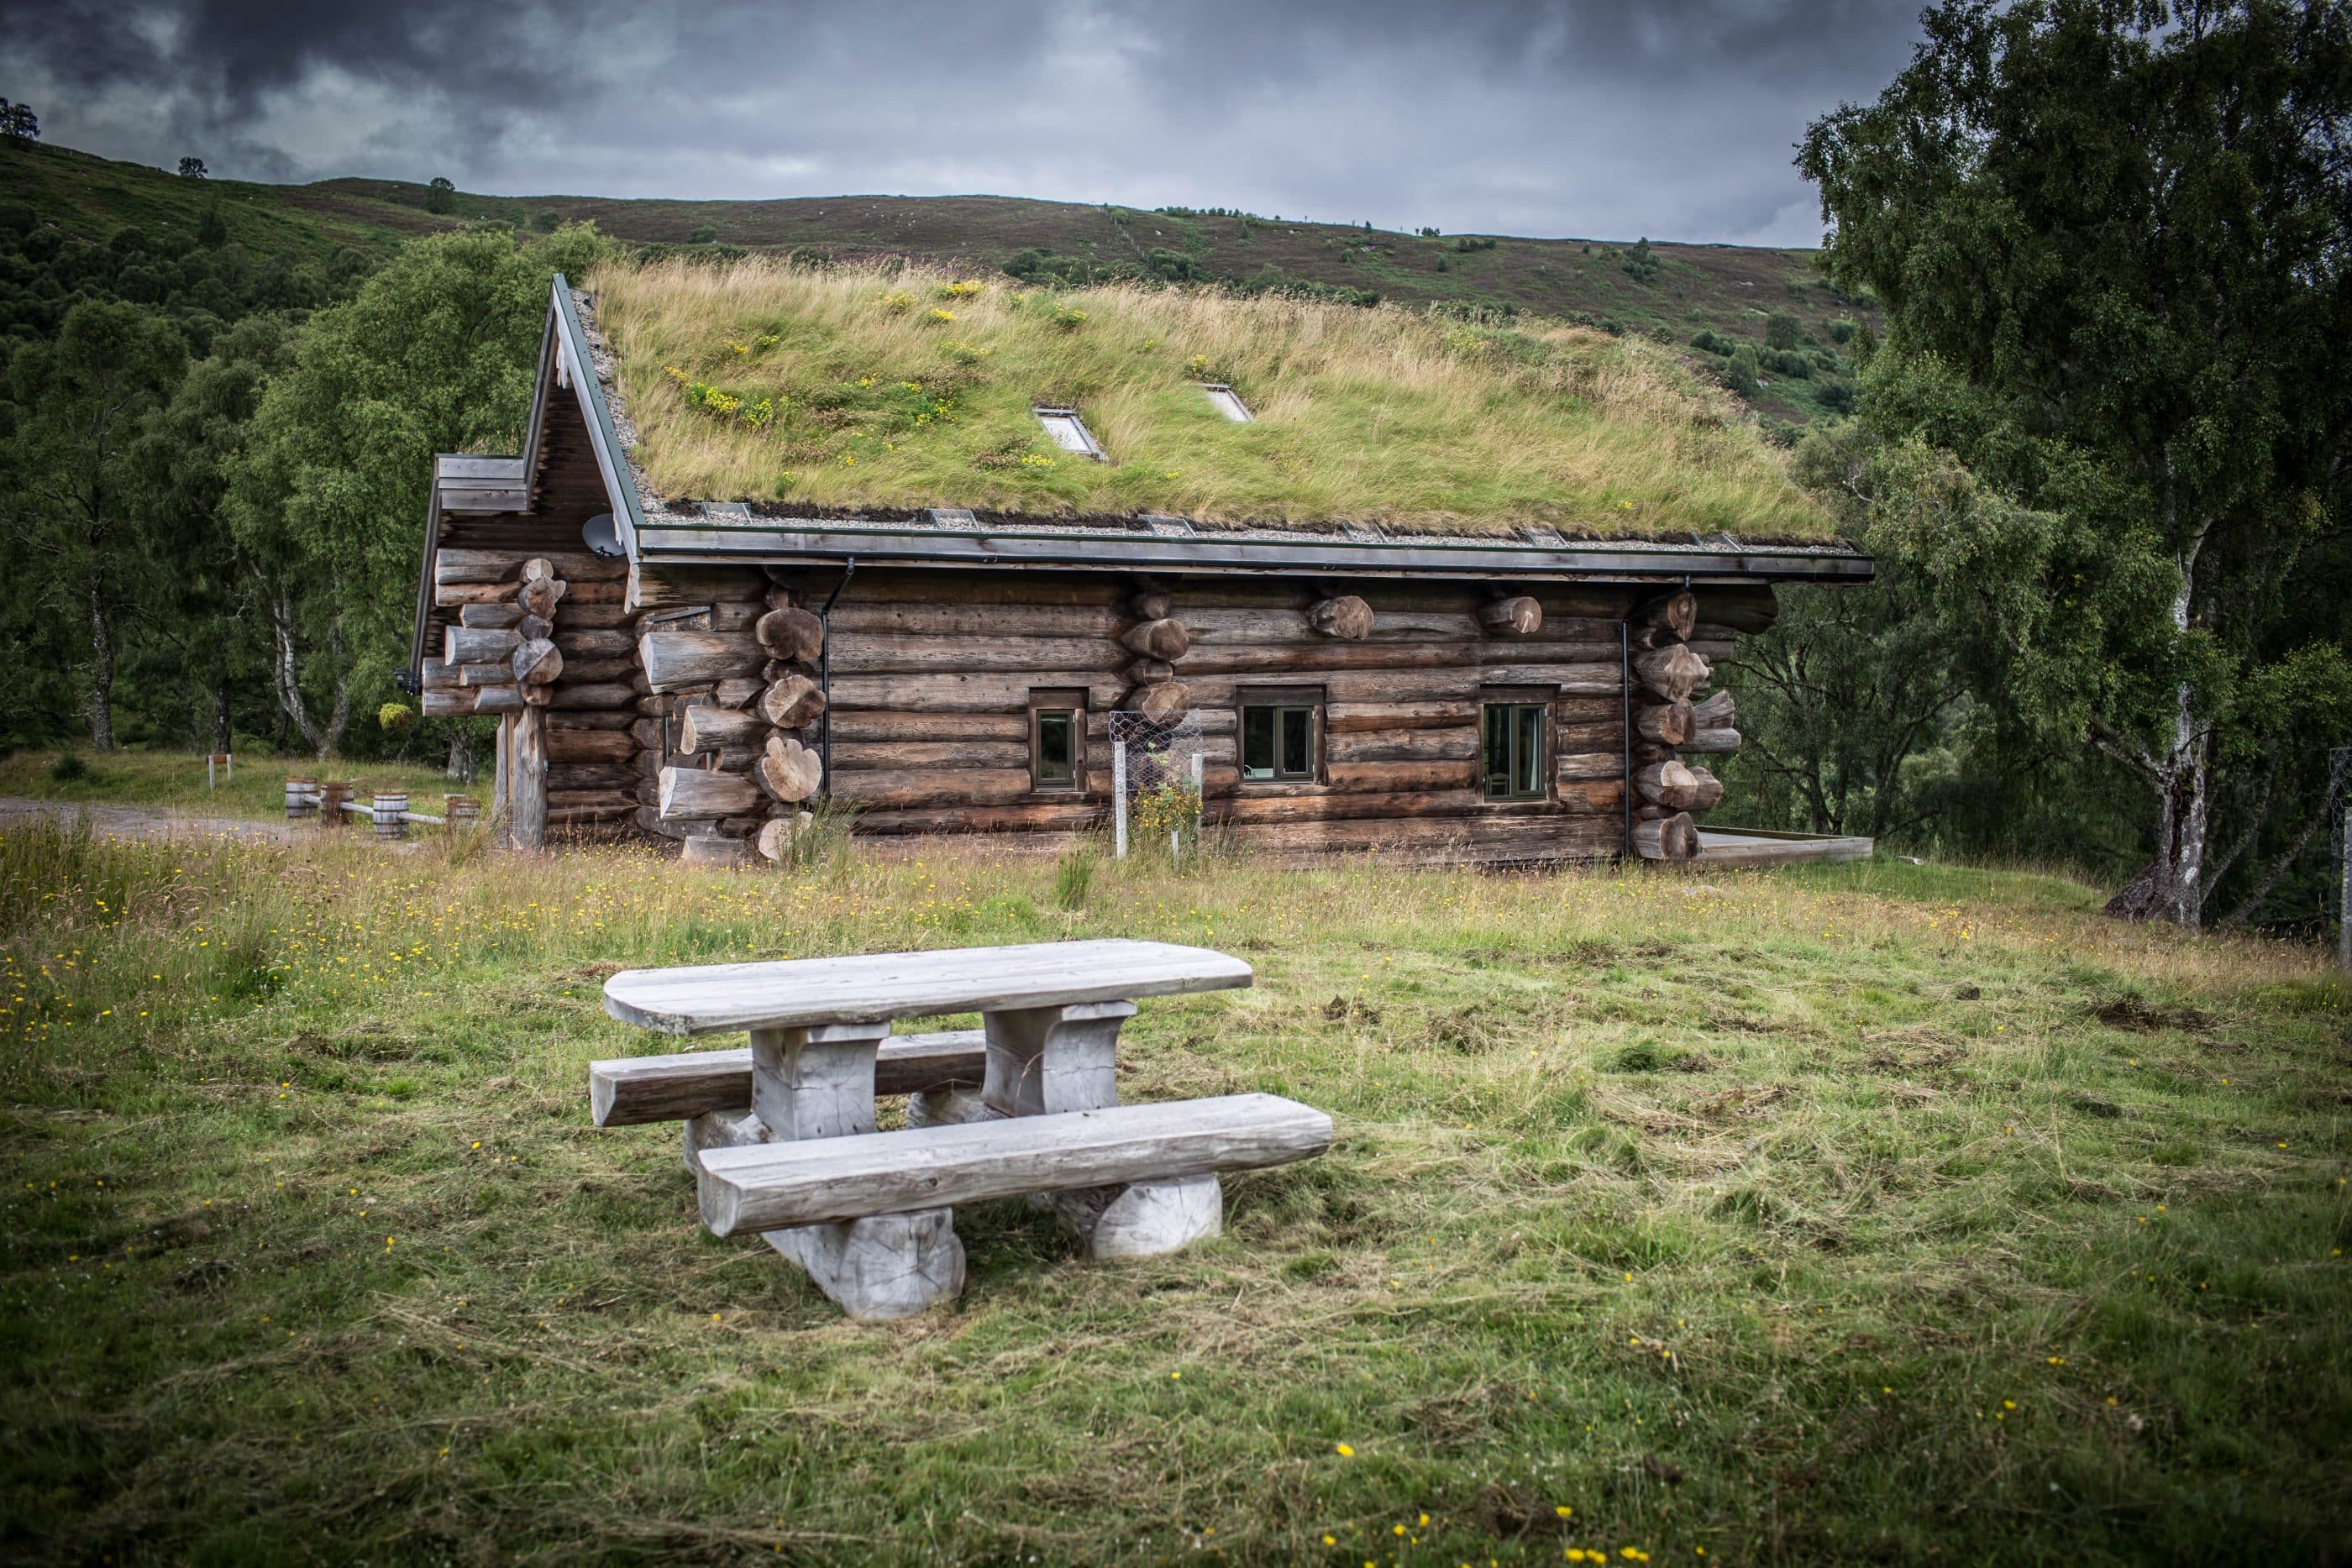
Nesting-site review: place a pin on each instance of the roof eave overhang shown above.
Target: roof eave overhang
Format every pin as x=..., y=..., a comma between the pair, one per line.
x=828, y=541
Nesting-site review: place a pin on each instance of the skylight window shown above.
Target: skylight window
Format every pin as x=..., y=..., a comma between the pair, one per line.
x=1228, y=401
x=1069, y=432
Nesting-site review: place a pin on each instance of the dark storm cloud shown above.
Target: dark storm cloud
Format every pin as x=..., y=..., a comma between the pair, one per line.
x=1673, y=119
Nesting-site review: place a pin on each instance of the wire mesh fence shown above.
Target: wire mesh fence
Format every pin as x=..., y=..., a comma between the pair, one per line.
x=1156, y=769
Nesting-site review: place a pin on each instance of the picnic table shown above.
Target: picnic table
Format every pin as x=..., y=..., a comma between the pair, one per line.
x=781, y=1136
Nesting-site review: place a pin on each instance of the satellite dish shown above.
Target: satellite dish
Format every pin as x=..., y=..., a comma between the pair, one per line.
x=601, y=539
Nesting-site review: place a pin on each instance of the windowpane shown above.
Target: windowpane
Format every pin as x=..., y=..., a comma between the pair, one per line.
x=1057, y=747
x=1512, y=750
x=1278, y=744
x=1499, y=751
x=1297, y=742
x=1257, y=743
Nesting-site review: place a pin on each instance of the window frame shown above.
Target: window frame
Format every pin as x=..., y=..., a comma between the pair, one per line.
x=1280, y=700
x=1071, y=701
x=1513, y=699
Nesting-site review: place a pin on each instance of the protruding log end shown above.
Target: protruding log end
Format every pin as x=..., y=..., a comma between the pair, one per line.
x=788, y=771
x=1669, y=723
x=791, y=633
x=793, y=702
x=1518, y=616
x=1160, y=639
x=1346, y=617
x=1674, y=613
x=1674, y=838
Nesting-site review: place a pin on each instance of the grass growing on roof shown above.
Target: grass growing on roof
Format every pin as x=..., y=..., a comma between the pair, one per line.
x=883, y=388
x=1873, y=1212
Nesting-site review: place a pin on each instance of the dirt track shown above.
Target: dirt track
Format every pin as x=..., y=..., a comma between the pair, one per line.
x=139, y=821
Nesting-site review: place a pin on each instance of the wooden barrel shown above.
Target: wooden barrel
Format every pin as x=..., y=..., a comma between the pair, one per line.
x=332, y=793
x=462, y=810
x=301, y=798
x=390, y=813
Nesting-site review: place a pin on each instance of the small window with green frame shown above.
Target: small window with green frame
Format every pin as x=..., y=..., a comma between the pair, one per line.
x=1514, y=736
x=1057, y=740
x=1281, y=734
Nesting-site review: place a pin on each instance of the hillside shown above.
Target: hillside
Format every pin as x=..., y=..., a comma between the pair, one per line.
x=1672, y=291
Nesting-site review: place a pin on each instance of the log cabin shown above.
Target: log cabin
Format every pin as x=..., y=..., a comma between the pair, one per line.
x=1449, y=591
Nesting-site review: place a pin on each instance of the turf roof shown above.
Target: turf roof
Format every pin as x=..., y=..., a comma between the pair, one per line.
x=878, y=388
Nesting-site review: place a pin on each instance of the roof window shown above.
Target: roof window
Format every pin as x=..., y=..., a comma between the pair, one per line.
x=1228, y=401
x=1069, y=432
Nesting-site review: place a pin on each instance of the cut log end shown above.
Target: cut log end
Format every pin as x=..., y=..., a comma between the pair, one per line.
x=1518, y=616
x=788, y=771
x=1347, y=617
x=1674, y=838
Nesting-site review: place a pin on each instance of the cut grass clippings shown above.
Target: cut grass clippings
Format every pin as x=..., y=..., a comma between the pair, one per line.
x=1862, y=1212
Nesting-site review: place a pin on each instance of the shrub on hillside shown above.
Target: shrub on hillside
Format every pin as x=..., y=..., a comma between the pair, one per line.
x=1782, y=329
x=1708, y=341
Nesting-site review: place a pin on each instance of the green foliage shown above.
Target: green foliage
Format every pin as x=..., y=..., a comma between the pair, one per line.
x=434, y=354
x=1468, y=244
x=68, y=766
x=2111, y=249
x=441, y=195
x=1783, y=330
x=701, y=234
x=1638, y=263
x=1708, y=341
x=1841, y=329
x=1074, y=875
x=394, y=716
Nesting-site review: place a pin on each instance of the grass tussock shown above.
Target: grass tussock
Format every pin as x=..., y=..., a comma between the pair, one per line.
x=1870, y=1212
x=884, y=388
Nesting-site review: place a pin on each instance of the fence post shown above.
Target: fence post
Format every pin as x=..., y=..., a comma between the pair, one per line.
x=1118, y=796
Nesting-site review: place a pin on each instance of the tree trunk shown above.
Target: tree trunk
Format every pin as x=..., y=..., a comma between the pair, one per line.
x=461, y=752
x=101, y=674
x=2171, y=887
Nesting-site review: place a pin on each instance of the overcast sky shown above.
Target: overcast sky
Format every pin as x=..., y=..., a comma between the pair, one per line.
x=1598, y=119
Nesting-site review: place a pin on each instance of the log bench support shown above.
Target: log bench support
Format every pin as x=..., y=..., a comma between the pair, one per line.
x=819, y=1083
x=1046, y=1060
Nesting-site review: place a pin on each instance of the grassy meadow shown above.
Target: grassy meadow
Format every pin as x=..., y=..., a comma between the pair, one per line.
x=1865, y=1212
x=882, y=387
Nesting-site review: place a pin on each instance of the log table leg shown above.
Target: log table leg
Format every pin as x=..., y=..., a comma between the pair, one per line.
x=818, y=1082
x=1042, y=1061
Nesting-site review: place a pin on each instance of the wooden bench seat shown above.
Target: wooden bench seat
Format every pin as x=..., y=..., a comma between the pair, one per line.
x=821, y=1181
x=632, y=1091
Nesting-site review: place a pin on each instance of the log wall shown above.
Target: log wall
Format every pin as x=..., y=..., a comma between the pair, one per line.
x=931, y=676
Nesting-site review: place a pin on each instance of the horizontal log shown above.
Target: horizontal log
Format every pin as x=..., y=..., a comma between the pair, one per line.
x=917, y=586
x=1305, y=660
x=1494, y=838
x=580, y=617
x=766, y=1187
x=444, y=702
x=909, y=654
x=473, y=676
x=614, y=802
x=1746, y=609
x=489, y=616
x=673, y=659
x=1578, y=764
x=1708, y=793
x=593, y=643
x=498, y=699
x=588, y=720
x=993, y=691
x=478, y=566
x=612, y=746
x=705, y=728
x=668, y=587
x=1221, y=776
x=915, y=756
x=1673, y=672
x=437, y=675
x=1674, y=613
x=898, y=789
x=1391, y=597
x=1042, y=816
x=1712, y=740
x=457, y=595
x=637, y=1091
x=619, y=670
x=1456, y=743
x=592, y=695
x=616, y=776
x=852, y=617
x=691, y=792
x=478, y=644
x=1295, y=628
x=1718, y=712
x=1384, y=718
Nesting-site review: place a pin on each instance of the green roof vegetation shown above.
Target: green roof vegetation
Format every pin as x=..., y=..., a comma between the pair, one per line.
x=864, y=388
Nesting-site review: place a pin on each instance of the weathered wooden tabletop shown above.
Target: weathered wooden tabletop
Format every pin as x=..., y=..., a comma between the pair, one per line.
x=876, y=986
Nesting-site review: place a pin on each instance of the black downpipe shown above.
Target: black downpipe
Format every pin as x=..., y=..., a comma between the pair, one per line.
x=1626, y=719
x=824, y=673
